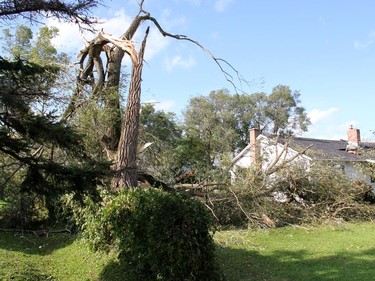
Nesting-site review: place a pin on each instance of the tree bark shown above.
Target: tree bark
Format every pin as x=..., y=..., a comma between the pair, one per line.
x=113, y=82
x=125, y=167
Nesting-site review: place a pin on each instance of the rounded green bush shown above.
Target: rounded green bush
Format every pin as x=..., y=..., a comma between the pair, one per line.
x=162, y=236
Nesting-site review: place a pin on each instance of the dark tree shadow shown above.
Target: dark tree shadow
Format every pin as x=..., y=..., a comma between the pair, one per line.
x=113, y=271
x=242, y=265
x=32, y=244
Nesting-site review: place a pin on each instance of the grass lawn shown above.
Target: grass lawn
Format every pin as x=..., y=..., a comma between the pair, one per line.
x=341, y=252
x=57, y=257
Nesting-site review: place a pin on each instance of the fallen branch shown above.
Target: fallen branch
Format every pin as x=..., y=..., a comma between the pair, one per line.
x=38, y=233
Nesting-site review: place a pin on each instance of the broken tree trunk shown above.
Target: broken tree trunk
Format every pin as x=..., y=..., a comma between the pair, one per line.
x=125, y=167
x=101, y=83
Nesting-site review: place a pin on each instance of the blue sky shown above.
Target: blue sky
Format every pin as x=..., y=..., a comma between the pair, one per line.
x=324, y=49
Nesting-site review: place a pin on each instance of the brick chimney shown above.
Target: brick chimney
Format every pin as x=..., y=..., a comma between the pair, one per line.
x=354, y=136
x=254, y=146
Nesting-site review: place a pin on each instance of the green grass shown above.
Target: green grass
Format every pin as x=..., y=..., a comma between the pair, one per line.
x=341, y=252
x=57, y=257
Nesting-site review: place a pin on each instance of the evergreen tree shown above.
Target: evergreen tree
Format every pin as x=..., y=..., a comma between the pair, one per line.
x=43, y=156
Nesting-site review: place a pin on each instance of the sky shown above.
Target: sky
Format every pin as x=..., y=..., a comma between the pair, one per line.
x=323, y=49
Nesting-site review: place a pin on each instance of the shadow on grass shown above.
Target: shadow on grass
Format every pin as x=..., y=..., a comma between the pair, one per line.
x=241, y=265
x=113, y=271
x=34, y=245
x=238, y=264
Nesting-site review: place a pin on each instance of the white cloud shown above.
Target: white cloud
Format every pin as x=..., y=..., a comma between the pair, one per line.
x=360, y=45
x=220, y=5
x=165, y=105
x=70, y=39
x=178, y=61
x=118, y=24
x=325, y=125
x=317, y=115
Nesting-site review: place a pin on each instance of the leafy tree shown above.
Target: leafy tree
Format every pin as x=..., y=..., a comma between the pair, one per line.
x=21, y=45
x=161, y=130
x=221, y=121
x=210, y=119
x=284, y=113
x=18, y=45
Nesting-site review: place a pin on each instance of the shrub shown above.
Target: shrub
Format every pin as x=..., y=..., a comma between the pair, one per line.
x=85, y=214
x=296, y=196
x=162, y=236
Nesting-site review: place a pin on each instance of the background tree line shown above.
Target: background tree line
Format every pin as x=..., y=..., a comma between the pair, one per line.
x=212, y=130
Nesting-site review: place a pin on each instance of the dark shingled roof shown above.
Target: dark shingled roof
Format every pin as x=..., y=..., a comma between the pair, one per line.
x=333, y=149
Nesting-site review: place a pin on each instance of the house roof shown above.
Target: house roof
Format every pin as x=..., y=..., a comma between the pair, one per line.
x=336, y=150
x=323, y=149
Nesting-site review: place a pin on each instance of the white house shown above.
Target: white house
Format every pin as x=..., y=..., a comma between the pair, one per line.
x=267, y=152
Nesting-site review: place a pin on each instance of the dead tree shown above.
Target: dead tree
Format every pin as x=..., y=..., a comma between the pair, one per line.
x=125, y=166
x=98, y=81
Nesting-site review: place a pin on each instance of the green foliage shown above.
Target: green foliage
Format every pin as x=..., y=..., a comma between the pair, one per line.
x=284, y=113
x=209, y=119
x=162, y=236
x=294, y=195
x=86, y=214
x=21, y=45
x=162, y=130
x=92, y=121
x=158, y=235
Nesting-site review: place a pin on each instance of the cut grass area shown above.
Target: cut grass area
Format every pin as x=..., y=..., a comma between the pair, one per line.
x=341, y=252
x=57, y=257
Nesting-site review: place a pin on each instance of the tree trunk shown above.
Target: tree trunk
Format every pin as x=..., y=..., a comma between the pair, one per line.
x=112, y=137
x=125, y=167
